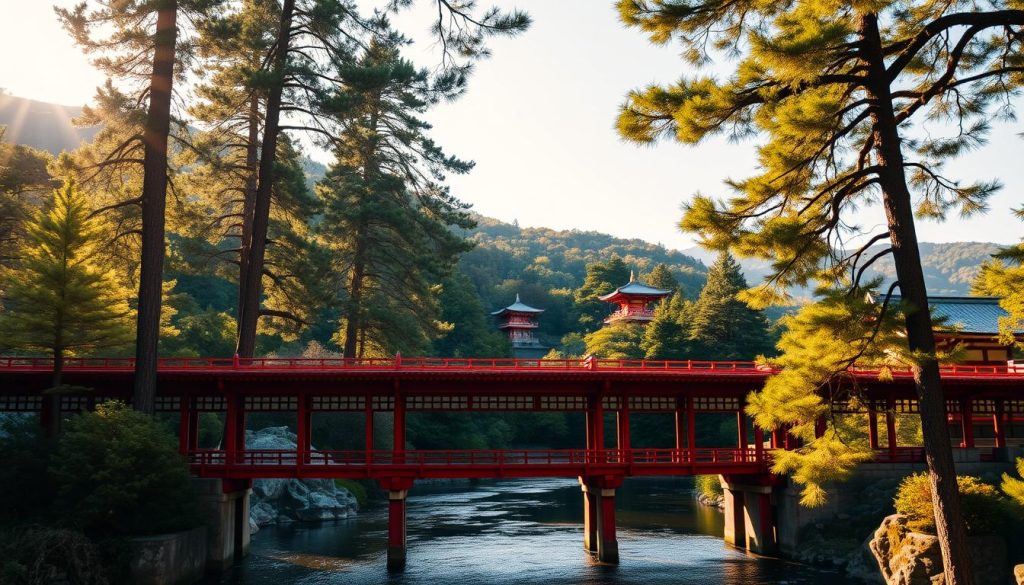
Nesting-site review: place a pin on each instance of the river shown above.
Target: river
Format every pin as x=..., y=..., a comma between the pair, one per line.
x=518, y=532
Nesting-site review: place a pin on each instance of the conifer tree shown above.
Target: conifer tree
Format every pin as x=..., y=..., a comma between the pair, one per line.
x=661, y=277
x=388, y=214
x=601, y=279
x=833, y=88
x=23, y=177
x=58, y=299
x=1003, y=277
x=722, y=326
x=136, y=42
x=667, y=336
x=619, y=341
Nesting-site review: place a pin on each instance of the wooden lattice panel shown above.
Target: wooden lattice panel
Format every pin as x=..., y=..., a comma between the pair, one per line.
x=563, y=403
x=652, y=403
x=339, y=403
x=502, y=403
x=383, y=403
x=907, y=406
x=611, y=402
x=209, y=403
x=1014, y=406
x=436, y=403
x=20, y=403
x=168, y=404
x=984, y=406
x=716, y=403
x=271, y=403
x=74, y=403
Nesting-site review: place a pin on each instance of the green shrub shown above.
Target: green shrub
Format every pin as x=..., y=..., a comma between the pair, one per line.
x=37, y=555
x=709, y=486
x=118, y=472
x=356, y=489
x=984, y=508
x=24, y=481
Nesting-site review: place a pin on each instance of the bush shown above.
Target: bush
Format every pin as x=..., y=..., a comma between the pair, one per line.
x=37, y=555
x=355, y=488
x=709, y=486
x=118, y=473
x=985, y=510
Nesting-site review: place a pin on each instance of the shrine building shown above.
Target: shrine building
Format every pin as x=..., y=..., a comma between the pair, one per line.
x=519, y=321
x=635, y=302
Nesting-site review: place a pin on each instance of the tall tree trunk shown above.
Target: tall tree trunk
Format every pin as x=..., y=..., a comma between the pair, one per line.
x=52, y=424
x=353, y=320
x=949, y=523
x=252, y=168
x=250, y=307
x=154, y=203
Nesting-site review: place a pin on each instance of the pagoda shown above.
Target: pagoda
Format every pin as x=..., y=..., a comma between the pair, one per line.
x=970, y=324
x=634, y=302
x=519, y=321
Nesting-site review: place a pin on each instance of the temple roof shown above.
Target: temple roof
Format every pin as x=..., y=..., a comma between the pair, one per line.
x=970, y=315
x=518, y=307
x=635, y=288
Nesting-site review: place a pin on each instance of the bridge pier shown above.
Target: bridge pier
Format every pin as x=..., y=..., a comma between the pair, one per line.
x=750, y=514
x=599, y=535
x=227, y=506
x=398, y=492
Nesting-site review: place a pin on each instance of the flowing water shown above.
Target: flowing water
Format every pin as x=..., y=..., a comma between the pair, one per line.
x=518, y=532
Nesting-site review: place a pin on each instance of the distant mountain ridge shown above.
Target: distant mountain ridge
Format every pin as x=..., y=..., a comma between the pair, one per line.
x=42, y=125
x=949, y=268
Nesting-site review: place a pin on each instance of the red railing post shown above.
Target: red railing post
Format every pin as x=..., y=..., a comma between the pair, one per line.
x=999, y=424
x=890, y=426
x=967, y=422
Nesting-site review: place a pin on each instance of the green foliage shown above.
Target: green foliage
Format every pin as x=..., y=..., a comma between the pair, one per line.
x=36, y=555
x=661, y=277
x=355, y=488
x=708, y=486
x=59, y=299
x=985, y=510
x=387, y=222
x=601, y=279
x=616, y=341
x=667, y=336
x=722, y=326
x=1013, y=486
x=118, y=472
x=471, y=334
x=819, y=343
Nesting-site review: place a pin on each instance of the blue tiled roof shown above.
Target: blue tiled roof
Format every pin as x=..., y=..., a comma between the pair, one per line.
x=978, y=315
x=518, y=307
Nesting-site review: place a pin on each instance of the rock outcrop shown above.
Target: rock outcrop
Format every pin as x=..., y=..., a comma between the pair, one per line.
x=911, y=558
x=293, y=500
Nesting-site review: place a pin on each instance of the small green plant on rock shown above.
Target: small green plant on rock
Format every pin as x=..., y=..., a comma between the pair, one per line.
x=708, y=486
x=985, y=509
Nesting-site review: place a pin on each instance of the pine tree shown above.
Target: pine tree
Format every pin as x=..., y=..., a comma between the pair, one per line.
x=388, y=215
x=58, y=299
x=722, y=326
x=667, y=336
x=23, y=177
x=137, y=42
x=830, y=87
x=601, y=279
x=661, y=277
x=1003, y=277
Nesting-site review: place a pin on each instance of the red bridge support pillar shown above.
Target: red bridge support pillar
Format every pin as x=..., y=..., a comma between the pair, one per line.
x=599, y=536
x=398, y=491
x=589, y=517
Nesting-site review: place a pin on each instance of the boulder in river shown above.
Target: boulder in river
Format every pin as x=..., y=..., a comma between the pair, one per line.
x=290, y=500
x=911, y=558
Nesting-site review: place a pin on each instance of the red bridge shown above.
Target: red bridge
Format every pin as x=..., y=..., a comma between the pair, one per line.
x=987, y=400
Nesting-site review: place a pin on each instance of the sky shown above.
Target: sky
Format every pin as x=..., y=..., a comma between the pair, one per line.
x=538, y=120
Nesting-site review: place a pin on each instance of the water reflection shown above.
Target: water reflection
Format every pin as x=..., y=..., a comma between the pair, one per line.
x=518, y=532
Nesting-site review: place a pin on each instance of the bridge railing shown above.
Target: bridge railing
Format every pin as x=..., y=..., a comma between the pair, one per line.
x=475, y=457
x=467, y=364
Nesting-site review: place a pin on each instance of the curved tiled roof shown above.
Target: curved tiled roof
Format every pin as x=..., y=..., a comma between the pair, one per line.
x=517, y=307
x=973, y=315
